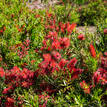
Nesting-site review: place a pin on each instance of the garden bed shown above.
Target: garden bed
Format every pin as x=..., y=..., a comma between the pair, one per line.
x=54, y=56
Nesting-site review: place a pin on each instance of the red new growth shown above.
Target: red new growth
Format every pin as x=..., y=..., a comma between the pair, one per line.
x=85, y=87
x=92, y=50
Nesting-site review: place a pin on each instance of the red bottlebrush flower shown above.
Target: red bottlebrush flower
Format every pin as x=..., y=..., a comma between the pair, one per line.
x=0, y=58
x=19, y=30
x=104, y=61
x=56, y=44
x=96, y=77
x=85, y=87
x=47, y=57
x=62, y=63
x=44, y=43
x=105, y=31
x=64, y=42
x=15, y=68
x=6, y=90
x=92, y=51
x=62, y=30
x=53, y=34
x=75, y=73
x=25, y=84
x=100, y=75
x=43, y=64
x=57, y=29
x=56, y=55
x=81, y=37
x=49, y=15
x=26, y=43
x=72, y=63
x=53, y=63
x=23, y=26
x=2, y=73
x=1, y=31
x=9, y=102
x=33, y=61
x=49, y=49
x=71, y=27
x=62, y=27
x=105, y=53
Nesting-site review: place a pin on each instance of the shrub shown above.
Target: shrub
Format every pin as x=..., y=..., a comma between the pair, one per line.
x=91, y=14
x=44, y=61
x=66, y=13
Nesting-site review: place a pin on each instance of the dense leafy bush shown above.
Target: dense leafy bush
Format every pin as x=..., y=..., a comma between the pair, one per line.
x=19, y=25
x=66, y=13
x=91, y=14
x=45, y=62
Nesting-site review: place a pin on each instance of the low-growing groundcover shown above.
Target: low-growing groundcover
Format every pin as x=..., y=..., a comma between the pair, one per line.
x=45, y=62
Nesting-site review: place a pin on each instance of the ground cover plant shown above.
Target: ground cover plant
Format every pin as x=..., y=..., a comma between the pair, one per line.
x=46, y=62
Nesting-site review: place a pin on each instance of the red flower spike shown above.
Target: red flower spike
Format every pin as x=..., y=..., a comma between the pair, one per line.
x=62, y=63
x=17, y=77
x=105, y=31
x=1, y=31
x=43, y=64
x=53, y=64
x=105, y=53
x=1, y=59
x=75, y=73
x=15, y=68
x=64, y=42
x=71, y=27
x=25, y=84
x=81, y=37
x=92, y=51
x=100, y=76
x=2, y=73
x=47, y=57
x=6, y=90
x=56, y=55
x=71, y=63
x=54, y=34
x=56, y=44
x=9, y=102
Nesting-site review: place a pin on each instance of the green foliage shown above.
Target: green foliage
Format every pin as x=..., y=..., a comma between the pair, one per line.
x=13, y=17
x=66, y=13
x=28, y=96
x=100, y=30
x=76, y=98
x=92, y=13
